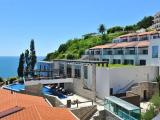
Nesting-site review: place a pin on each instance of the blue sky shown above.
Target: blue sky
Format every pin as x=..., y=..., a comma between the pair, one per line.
x=52, y=22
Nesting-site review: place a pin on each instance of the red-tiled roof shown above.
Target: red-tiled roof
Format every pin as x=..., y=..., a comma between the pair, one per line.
x=143, y=44
x=128, y=35
x=104, y=46
x=124, y=44
x=139, y=34
x=35, y=108
x=147, y=33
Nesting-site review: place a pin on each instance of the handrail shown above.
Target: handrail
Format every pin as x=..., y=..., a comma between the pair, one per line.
x=125, y=87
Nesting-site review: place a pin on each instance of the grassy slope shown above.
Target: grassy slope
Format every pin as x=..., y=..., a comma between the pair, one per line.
x=76, y=47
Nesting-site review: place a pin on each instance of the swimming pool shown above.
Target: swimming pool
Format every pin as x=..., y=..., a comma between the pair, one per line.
x=15, y=87
x=45, y=90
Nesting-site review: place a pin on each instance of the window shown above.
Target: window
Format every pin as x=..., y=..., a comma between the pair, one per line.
x=92, y=52
x=85, y=72
x=154, y=51
x=77, y=71
x=134, y=39
x=145, y=52
x=61, y=69
x=132, y=52
x=120, y=52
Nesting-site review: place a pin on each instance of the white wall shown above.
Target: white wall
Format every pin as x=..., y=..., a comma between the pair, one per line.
x=120, y=77
x=51, y=81
x=154, y=61
x=102, y=82
x=88, y=82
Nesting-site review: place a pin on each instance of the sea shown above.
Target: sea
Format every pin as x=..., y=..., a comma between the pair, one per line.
x=9, y=65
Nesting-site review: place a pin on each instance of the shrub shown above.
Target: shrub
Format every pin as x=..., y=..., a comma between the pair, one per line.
x=1, y=79
x=149, y=114
x=115, y=29
x=12, y=79
x=156, y=100
x=70, y=56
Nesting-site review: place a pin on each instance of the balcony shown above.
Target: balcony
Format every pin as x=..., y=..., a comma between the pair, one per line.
x=156, y=37
x=143, y=38
x=133, y=39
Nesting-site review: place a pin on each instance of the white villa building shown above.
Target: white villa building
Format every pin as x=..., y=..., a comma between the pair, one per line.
x=134, y=48
x=93, y=79
x=156, y=24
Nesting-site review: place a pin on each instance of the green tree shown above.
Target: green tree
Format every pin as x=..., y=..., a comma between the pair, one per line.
x=145, y=22
x=101, y=29
x=11, y=80
x=105, y=39
x=33, y=57
x=70, y=56
x=115, y=29
x=129, y=28
x=27, y=61
x=20, y=69
x=62, y=48
x=1, y=79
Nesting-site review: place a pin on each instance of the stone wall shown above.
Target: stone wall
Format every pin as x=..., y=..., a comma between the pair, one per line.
x=149, y=87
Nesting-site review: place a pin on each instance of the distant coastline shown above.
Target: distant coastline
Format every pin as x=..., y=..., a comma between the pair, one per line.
x=9, y=64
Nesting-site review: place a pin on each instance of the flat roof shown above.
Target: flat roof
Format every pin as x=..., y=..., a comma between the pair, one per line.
x=122, y=103
x=45, y=61
x=79, y=61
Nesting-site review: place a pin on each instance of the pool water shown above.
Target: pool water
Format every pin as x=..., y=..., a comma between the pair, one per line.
x=45, y=90
x=15, y=87
x=49, y=91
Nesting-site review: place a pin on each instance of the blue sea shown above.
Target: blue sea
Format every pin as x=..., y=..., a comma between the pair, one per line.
x=9, y=65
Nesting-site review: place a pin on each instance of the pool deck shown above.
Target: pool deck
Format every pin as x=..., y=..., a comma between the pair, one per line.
x=99, y=102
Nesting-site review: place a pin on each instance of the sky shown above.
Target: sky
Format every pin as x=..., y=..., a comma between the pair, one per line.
x=52, y=22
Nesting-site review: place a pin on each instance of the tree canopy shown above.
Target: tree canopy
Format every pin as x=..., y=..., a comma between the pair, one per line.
x=145, y=22
x=20, y=69
x=102, y=29
x=115, y=29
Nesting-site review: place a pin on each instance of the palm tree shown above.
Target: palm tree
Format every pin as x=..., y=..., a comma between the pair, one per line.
x=102, y=29
x=158, y=81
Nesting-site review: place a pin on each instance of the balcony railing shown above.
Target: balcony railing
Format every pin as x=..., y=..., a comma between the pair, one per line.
x=156, y=37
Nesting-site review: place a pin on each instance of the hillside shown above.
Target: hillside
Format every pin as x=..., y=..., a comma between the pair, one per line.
x=74, y=48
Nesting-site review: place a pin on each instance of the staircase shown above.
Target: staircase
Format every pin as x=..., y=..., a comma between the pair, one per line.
x=126, y=87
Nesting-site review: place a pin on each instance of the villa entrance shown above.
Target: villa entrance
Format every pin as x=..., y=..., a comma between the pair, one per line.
x=145, y=94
